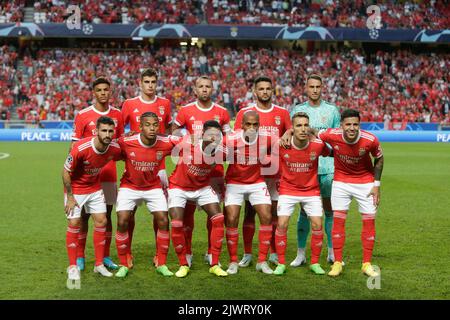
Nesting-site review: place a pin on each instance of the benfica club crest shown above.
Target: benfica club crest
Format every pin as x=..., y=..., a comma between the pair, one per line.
x=313, y=156
x=159, y=155
x=278, y=120
x=362, y=151
x=217, y=118
x=161, y=110
x=110, y=158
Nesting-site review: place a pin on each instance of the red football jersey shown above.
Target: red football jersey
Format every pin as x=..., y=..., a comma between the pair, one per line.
x=352, y=161
x=192, y=117
x=84, y=163
x=299, y=169
x=142, y=162
x=85, y=122
x=275, y=120
x=193, y=170
x=132, y=109
x=84, y=126
x=245, y=166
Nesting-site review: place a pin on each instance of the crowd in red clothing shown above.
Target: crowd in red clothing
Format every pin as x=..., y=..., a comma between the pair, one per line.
x=394, y=86
x=425, y=14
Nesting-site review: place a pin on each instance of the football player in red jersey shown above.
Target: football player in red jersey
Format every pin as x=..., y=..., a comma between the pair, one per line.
x=356, y=176
x=81, y=179
x=244, y=181
x=132, y=109
x=275, y=120
x=85, y=126
x=192, y=117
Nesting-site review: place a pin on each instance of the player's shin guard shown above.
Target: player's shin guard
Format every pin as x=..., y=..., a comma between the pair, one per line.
x=163, y=241
x=329, y=227
x=131, y=223
x=368, y=236
x=188, y=222
x=155, y=230
x=108, y=239
x=339, y=234
x=122, y=244
x=303, y=227
x=264, y=237
x=281, y=243
x=178, y=241
x=273, y=248
x=232, y=243
x=81, y=244
x=216, y=237
x=316, y=245
x=72, y=234
x=248, y=232
x=99, y=245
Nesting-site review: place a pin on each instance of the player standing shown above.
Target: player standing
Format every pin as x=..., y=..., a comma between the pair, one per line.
x=85, y=126
x=143, y=154
x=355, y=177
x=132, y=109
x=244, y=181
x=322, y=115
x=190, y=181
x=81, y=179
x=299, y=184
x=275, y=121
x=192, y=117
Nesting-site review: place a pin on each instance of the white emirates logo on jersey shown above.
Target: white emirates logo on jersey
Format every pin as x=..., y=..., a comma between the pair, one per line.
x=132, y=154
x=92, y=123
x=136, y=110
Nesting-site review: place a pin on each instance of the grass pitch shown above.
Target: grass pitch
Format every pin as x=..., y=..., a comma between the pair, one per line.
x=412, y=245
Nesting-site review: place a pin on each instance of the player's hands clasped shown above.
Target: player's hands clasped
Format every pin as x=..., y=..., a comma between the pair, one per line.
x=70, y=205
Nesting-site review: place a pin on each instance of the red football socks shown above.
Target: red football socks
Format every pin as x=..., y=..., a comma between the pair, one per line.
x=338, y=233
x=99, y=245
x=122, y=240
x=232, y=243
x=178, y=241
x=216, y=237
x=368, y=236
x=81, y=244
x=72, y=234
x=281, y=243
x=316, y=245
x=248, y=232
x=188, y=222
x=163, y=241
x=264, y=237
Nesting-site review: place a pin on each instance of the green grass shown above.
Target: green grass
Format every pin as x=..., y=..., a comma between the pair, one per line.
x=412, y=239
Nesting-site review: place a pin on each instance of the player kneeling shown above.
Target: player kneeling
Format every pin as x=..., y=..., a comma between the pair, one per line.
x=83, y=189
x=190, y=181
x=244, y=181
x=143, y=154
x=299, y=184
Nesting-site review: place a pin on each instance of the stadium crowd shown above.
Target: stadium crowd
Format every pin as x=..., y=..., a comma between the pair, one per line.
x=427, y=14
x=394, y=86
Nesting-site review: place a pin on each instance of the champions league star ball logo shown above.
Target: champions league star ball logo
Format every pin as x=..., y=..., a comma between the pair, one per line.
x=87, y=28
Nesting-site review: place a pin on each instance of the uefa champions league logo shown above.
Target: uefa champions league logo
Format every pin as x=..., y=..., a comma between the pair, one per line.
x=74, y=21
x=373, y=22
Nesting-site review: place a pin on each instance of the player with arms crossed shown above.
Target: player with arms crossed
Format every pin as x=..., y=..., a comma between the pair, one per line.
x=275, y=120
x=244, y=181
x=143, y=154
x=299, y=184
x=190, y=181
x=81, y=179
x=132, y=109
x=322, y=115
x=84, y=127
x=192, y=117
x=355, y=177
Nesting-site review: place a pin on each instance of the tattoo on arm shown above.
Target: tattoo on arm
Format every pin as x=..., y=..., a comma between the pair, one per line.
x=67, y=182
x=378, y=168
